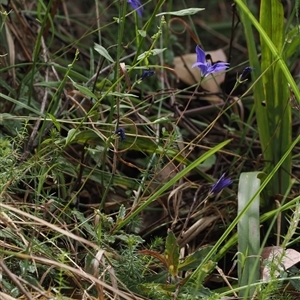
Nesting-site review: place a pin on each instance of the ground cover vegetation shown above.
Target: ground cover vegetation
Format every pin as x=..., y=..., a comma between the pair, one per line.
x=149, y=149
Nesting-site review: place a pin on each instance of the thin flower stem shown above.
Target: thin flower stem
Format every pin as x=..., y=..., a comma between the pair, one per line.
x=190, y=212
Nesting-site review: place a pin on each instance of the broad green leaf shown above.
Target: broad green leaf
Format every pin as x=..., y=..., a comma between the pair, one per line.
x=50, y=84
x=248, y=231
x=152, y=52
x=71, y=136
x=56, y=124
x=102, y=51
x=84, y=224
x=163, y=120
x=201, y=273
x=157, y=51
x=159, y=278
x=142, y=33
x=84, y=90
x=21, y=103
x=208, y=163
x=104, y=84
x=194, y=260
x=172, y=254
x=122, y=212
x=79, y=76
x=182, y=12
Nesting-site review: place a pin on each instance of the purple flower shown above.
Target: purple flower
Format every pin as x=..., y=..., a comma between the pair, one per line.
x=205, y=66
x=245, y=73
x=121, y=133
x=146, y=73
x=136, y=5
x=221, y=184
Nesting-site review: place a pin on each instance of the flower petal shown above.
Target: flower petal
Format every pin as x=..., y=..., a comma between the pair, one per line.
x=220, y=185
x=217, y=67
x=202, y=66
x=200, y=55
x=136, y=5
x=146, y=73
x=220, y=67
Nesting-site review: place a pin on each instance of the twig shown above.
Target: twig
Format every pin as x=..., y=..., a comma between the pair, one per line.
x=190, y=211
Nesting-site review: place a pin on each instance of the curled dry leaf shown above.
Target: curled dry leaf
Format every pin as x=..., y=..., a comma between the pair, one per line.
x=283, y=259
x=187, y=74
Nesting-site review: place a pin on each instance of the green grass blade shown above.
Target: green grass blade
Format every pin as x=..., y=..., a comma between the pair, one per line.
x=248, y=232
